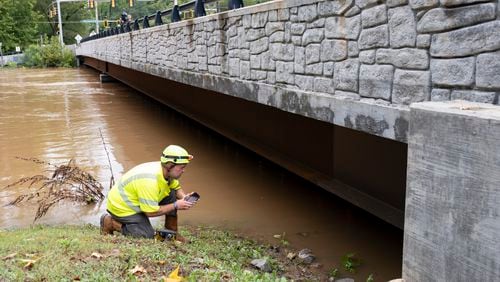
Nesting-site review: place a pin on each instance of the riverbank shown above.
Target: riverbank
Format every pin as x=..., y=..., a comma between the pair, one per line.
x=44, y=253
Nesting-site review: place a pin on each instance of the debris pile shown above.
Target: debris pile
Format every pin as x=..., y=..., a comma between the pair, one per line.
x=67, y=182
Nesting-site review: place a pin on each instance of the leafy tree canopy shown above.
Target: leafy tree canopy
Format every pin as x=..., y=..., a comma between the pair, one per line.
x=18, y=23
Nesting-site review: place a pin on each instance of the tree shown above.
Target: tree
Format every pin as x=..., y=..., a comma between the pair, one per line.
x=72, y=15
x=18, y=23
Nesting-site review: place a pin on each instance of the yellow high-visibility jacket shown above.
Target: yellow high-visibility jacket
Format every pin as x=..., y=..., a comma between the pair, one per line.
x=140, y=190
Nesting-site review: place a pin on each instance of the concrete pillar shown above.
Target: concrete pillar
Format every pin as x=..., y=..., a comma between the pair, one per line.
x=452, y=216
x=106, y=78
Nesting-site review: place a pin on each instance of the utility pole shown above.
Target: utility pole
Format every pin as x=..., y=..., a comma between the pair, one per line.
x=96, y=16
x=60, y=22
x=1, y=55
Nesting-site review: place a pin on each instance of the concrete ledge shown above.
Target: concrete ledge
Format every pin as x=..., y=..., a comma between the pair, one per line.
x=452, y=216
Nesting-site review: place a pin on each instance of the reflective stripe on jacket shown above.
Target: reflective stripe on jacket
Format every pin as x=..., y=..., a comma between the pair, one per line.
x=140, y=190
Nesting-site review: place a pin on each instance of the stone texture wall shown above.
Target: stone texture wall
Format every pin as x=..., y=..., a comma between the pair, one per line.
x=370, y=54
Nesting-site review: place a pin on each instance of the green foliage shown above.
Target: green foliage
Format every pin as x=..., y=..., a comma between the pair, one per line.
x=333, y=273
x=68, y=253
x=11, y=65
x=350, y=262
x=18, y=24
x=50, y=55
x=32, y=56
x=370, y=278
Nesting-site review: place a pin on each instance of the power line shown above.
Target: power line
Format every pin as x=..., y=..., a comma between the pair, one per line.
x=82, y=21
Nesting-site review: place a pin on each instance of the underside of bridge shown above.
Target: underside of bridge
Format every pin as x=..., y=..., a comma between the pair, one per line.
x=366, y=170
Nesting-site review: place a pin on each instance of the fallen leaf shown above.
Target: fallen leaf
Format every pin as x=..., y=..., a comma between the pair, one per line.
x=291, y=256
x=174, y=276
x=27, y=260
x=29, y=263
x=77, y=278
x=161, y=262
x=226, y=277
x=9, y=256
x=277, y=236
x=96, y=255
x=137, y=270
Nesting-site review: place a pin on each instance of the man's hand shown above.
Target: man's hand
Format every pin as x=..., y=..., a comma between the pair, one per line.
x=192, y=197
x=183, y=204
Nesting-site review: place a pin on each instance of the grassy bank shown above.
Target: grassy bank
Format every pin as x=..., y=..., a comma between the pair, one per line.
x=68, y=253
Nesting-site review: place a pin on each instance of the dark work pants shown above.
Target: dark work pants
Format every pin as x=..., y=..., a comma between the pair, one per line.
x=138, y=225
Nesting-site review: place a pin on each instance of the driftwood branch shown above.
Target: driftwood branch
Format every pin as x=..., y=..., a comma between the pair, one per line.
x=112, y=180
x=67, y=182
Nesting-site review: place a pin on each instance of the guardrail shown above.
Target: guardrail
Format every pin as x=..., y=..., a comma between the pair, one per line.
x=196, y=9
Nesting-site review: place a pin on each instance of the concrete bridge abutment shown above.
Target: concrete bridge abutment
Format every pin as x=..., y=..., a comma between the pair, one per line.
x=452, y=216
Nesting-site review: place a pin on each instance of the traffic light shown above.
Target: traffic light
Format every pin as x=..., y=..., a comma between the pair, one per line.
x=90, y=4
x=131, y=3
x=106, y=23
x=113, y=3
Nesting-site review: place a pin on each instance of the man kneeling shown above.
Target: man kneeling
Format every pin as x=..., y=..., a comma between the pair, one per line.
x=148, y=190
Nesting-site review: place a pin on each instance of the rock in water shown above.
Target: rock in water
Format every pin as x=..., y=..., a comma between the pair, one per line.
x=306, y=256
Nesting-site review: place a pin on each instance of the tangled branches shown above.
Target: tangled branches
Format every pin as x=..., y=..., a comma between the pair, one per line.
x=68, y=182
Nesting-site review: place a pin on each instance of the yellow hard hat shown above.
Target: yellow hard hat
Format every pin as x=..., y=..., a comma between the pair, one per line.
x=175, y=154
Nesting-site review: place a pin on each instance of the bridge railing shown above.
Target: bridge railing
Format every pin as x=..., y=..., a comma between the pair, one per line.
x=191, y=9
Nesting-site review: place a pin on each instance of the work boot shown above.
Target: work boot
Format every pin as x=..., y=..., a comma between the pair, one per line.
x=109, y=225
x=171, y=223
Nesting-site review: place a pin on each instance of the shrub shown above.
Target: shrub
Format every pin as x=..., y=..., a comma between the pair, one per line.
x=11, y=65
x=49, y=55
x=32, y=56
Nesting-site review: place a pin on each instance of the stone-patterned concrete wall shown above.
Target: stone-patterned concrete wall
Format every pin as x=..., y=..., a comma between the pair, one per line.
x=355, y=63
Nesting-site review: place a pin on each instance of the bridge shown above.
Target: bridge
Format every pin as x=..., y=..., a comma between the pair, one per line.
x=391, y=105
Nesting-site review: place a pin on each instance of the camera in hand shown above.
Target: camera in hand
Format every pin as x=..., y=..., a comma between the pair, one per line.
x=193, y=198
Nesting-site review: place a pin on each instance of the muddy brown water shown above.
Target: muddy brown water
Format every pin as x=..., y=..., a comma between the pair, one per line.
x=56, y=115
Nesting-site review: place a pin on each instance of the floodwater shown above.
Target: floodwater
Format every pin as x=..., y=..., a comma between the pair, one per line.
x=59, y=114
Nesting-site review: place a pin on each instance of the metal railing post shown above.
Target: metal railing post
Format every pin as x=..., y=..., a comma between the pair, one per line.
x=145, y=22
x=158, y=20
x=199, y=8
x=176, y=15
x=235, y=4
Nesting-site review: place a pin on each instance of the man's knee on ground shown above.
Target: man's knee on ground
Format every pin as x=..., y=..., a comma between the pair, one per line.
x=138, y=231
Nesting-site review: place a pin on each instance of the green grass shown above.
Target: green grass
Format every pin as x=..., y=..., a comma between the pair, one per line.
x=67, y=253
